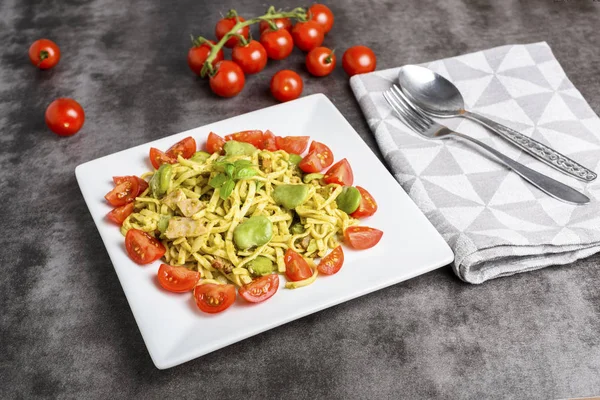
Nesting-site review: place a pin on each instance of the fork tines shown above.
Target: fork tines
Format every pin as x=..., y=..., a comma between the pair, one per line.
x=409, y=114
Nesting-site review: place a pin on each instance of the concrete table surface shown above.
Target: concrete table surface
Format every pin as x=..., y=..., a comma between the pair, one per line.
x=66, y=328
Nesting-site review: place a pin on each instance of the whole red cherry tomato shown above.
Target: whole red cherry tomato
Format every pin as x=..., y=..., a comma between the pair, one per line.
x=225, y=25
x=281, y=23
x=323, y=15
x=228, y=79
x=308, y=35
x=44, y=53
x=320, y=61
x=252, y=57
x=359, y=60
x=65, y=117
x=198, y=55
x=286, y=85
x=278, y=44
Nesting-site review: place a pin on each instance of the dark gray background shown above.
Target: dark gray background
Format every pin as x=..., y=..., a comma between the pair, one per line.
x=67, y=330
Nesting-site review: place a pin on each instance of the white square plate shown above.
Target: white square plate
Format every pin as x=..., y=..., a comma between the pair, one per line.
x=175, y=331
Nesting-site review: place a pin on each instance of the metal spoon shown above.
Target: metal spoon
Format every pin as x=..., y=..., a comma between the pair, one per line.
x=438, y=97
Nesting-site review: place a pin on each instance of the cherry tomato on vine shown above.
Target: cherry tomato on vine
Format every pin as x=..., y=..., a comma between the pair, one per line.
x=286, y=85
x=252, y=57
x=282, y=23
x=260, y=289
x=225, y=25
x=308, y=35
x=362, y=237
x=212, y=298
x=214, y=143
x=44, y=53
x=321, y=14
x=332, y=262
x=320, y=61
x=65, y=117
x=359, y=60
x=228, y=79
x=177, y=279
x=278, y=44
x=143, y=248
x=198, y=55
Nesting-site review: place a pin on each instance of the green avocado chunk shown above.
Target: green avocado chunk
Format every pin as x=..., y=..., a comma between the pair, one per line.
x=233, y=148
x=161, y=179
x=290, y=196
x=255, y=231
x=312, y=177
x=261, y=266
x=295, y=159
x=349, y=200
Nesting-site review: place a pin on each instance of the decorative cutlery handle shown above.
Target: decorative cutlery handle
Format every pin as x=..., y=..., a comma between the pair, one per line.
x=538, y=150
x=546, y=184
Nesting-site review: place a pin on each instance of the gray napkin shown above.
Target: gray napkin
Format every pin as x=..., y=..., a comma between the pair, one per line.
x=496, y=223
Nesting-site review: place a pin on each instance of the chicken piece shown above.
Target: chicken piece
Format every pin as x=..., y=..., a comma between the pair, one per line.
x=173, y=198
x=184, y=227
x=266, y=165
x=222, y=265
x=305, y=242
x=190, y=207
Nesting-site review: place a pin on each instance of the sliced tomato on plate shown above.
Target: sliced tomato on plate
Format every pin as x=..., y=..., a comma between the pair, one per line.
x=254, y=137
x=362, y=237
x=296, y=267
x=177, y=279
x=142, y=184
x=332, y=262
x=260, y=289
x=318, y=158
x=292, y=144
x=143, y=248
x=367, y=206
x=119, y=214
x=268, y=141
x=214, y=143
x=184, y=148
x=212, y=298
x=340, y=173
x=158, y=158
x=125, y=192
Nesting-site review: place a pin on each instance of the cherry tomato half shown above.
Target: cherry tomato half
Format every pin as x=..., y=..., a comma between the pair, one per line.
x=197, y=55
x=44, y=53
x=252, y=57
x=362, y=237
x=65, y=117
x=333, y=262
x=292, y=144
x=318, y=158
x=268, y=141
x=228, y=80
x=214, y=143
x=119, y=215
x=260, y=289
x=158, y=158
x=254, y=137
x=359, y=60
x=296, y=267
x=340, y=173
x=367, y=206
x=125, y=192
x=278, y=44
x=142, y=184
x=321, y=14
x=143, y=248
x=308, y=35
x=212, y=298
x=225, y=25
x=177, y=279
x=320, y=61
x=185, y=147
x=282, y=23
x=286, y=85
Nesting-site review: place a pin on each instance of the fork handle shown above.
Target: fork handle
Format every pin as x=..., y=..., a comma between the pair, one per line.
x=544, y=183
x=538, y=150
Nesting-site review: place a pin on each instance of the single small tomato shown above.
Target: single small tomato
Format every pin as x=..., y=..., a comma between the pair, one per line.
x=278, y=44
x=321, y=14
x=184, y=148
x=228, y=79
x=340, y=173
x=359, y=60
x=281, y=23
x=44, y=53
x=260, y=289
x=65, y=117
x=214, y=143
x=318, y=158
x=197, y=55
x=296, y=267
x=225, y=25
x=292, y=144
x=158, y=158
x=362, y=237
x=177, y=279
x=252, y=57
x=268, y=141
x=286, y=85
x=142, y=184
x=308, y=35
x=119, y=215
x=254, y=137
x=212, y=298
x=332, y=262
x=125, y=192
x=367, y=206
x=320, y=61
x=143, y=248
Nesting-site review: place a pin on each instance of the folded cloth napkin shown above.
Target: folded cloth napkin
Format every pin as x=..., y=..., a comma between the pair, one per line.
x=496, y=223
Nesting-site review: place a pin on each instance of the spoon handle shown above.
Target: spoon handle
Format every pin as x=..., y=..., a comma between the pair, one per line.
x=546, y=184
x=538, y=150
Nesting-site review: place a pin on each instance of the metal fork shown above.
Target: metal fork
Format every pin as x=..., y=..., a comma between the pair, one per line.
x=428, y=128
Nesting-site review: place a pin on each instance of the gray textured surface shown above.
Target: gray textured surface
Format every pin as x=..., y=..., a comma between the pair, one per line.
x=67, y=330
